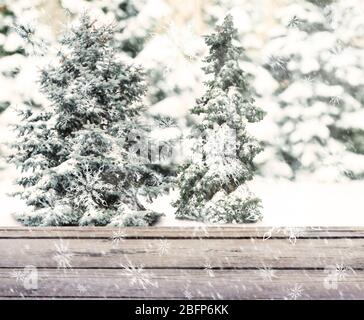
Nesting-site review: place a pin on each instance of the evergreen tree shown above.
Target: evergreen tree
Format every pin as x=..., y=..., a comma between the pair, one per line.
x=135, y=20
x=6, y=17
x=213, y=185
x=22, y=50
x=317, y=59
x=80, y=160
x=6, y=28
x=12, y=49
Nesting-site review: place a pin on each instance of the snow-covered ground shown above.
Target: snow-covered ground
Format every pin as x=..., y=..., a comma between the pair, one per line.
x=7, y=202
x=311, y=203
x=285, y=203
x=297, y=204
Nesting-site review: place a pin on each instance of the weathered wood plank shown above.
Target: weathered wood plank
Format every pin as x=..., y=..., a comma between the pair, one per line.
x=237, y=231
x=217, y=262
x=185, y=253
x=182, y=284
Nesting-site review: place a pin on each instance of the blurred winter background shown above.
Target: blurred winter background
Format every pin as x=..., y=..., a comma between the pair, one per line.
x=306, y=63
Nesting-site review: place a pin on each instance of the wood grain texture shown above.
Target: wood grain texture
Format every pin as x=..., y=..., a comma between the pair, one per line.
x=177, y=263
x=231, y=232
x=183, y=284
x=193, y=253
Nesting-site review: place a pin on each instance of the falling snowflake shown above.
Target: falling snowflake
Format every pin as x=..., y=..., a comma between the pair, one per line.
x=88, y=187
x=220, y=150
x=164, y=246
x=277, y=63
x=338, y=48
x=28, y=33
x=267, y=235
x=117, y=237
x=138, y=276
x=18, y=275
x=166, y=71
x=65, y=120
x=187, y=294
x=267, y=273
x=25, y=31
x=86, y=88
x=335, y=100
x=294, y=22
x=63, y=256
x=331, y=282
x=293, y=233
x=182, y=40
x=336, y=273
x=295, y=292
x=28, y=277
x=81, y=288
x=342, y=271
x=165, y=122
x=309, y=79
x=335, y=50
x=197, y=230
x=209, y=270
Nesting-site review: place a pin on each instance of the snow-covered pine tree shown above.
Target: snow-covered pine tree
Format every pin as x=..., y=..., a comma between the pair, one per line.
x=213, y=185
x=12, y=51
x=22, y=50
x=348, y=23
x=6, y=18
x=6, y=30
x=135, y=20
x=316, y=55
x=80, y=160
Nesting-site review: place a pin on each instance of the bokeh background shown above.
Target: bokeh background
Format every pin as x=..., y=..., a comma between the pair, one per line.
x=305, y=60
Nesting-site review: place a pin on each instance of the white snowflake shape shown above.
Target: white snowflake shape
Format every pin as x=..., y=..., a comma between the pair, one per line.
x=209, y=270
x=294, y=22
x=18, y=275
x=277, y=63
x=200, y=229
x=65, y=120
x=81, y=288
x=27, y=32
x=293, y=233
x=336, y=273
x=331, y=282
x=86, y=88
x=335, y=100
x=267, y=273
x=117, y=237
x=295, y=292
x=338, y=48
x=164, y=246
x=138, y=276
x=88, y=187
x=180, y=40
x=187, y=293
x=220, y=148
x=309, y=79
x=341, y=271
x=165, y=122
x=63, y=256
x=167, y=70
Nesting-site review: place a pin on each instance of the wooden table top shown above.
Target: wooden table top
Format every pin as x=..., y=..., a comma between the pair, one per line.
x=243, y=262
